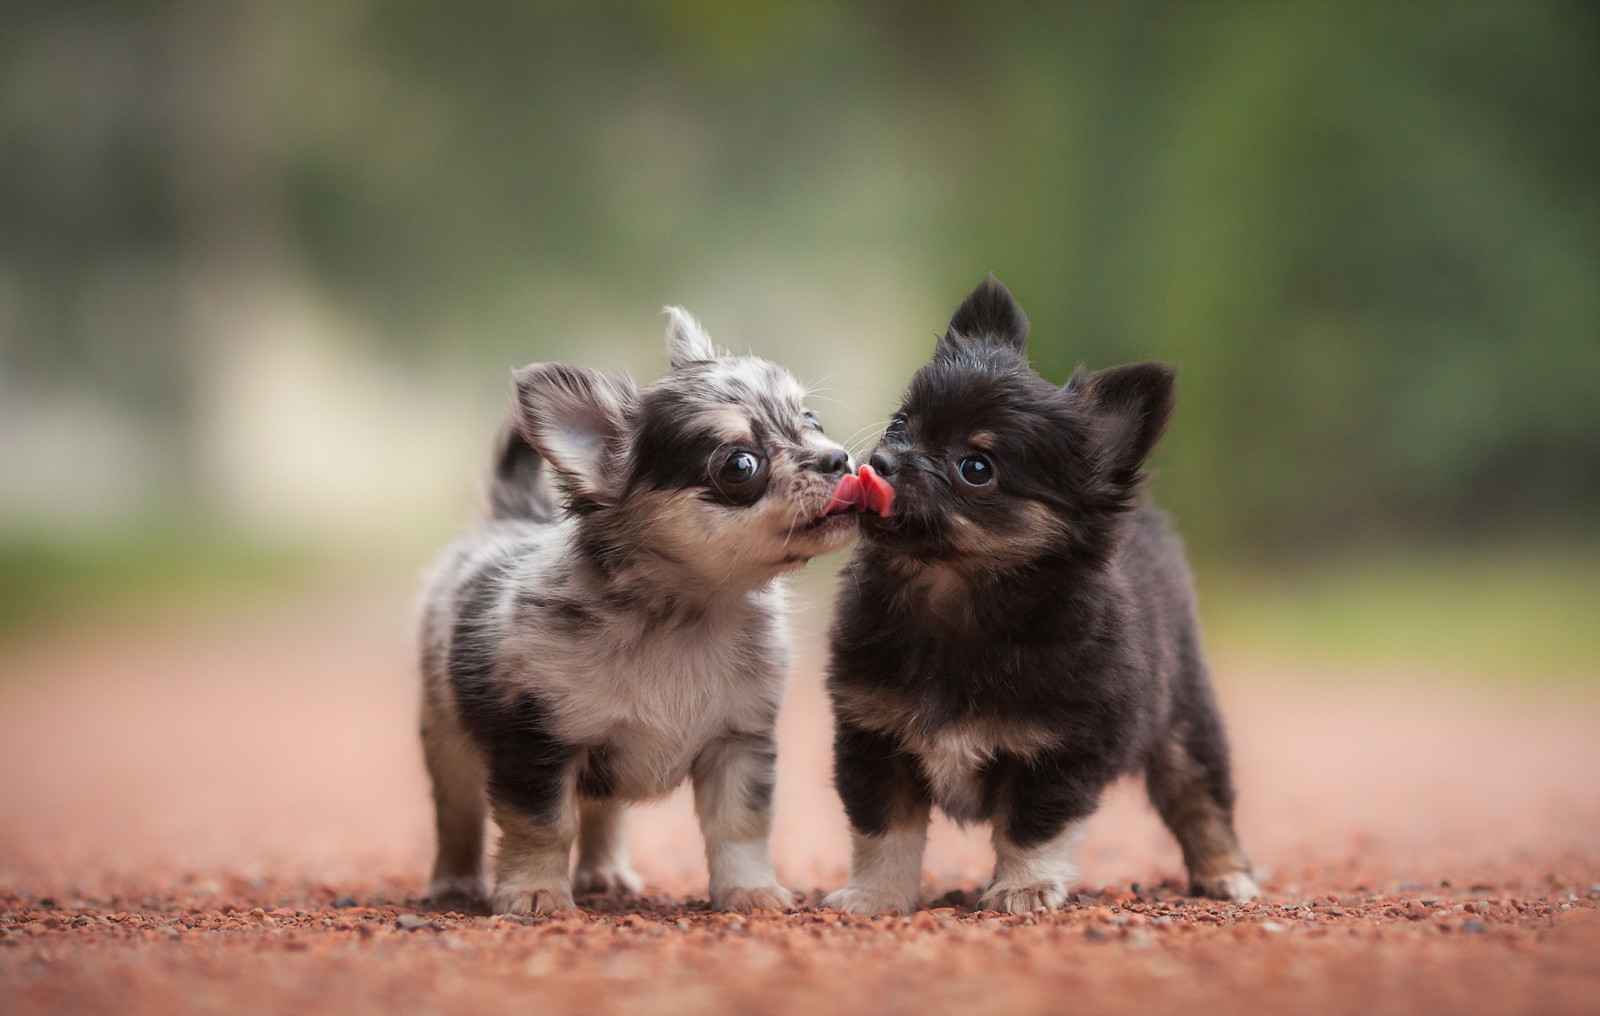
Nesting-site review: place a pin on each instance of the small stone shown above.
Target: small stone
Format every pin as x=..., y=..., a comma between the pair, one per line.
x=1273, y=926
x=1473, y=927
x=409, y=922
x=681, y=924
x=345, y=902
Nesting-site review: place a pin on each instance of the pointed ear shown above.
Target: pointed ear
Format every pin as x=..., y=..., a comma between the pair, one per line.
x=576, y=418
x=686, y=340
x=988, y=315
x=1129, y=407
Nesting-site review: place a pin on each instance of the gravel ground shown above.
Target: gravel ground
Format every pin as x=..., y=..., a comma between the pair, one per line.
x=233, y=819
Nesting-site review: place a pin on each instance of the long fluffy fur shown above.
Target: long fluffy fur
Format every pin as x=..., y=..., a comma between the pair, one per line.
x=1004, y=651
x=614, y=626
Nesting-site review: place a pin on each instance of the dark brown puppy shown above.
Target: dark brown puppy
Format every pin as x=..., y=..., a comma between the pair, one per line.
x=1020, y=631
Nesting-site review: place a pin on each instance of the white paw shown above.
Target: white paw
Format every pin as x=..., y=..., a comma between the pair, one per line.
x=515, y=898
x=770, y=897
x=857, y=900
x=1238, y=886
x=459, y=887
x=608, y=879
x=1023, y=899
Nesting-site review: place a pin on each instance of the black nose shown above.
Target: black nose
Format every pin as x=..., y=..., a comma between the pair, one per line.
x=885, y=462
x=836, y=461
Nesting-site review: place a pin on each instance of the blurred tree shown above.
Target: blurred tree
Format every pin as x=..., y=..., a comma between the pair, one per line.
x=1369, y=232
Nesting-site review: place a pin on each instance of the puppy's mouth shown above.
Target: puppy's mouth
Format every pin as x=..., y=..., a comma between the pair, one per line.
x=865, y=491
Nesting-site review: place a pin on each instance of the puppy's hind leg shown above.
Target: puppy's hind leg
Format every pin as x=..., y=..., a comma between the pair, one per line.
x=603, y=850
x=459, y=806
x=1192, y=789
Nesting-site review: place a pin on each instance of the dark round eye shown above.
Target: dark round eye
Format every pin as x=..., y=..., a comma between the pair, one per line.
x=739, y=468
x=897, y=424
x=976, y=471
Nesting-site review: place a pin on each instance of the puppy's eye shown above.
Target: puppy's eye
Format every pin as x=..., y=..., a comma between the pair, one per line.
x=812, y=421
x=739, y=468
x=975, y=471
x=897, y=424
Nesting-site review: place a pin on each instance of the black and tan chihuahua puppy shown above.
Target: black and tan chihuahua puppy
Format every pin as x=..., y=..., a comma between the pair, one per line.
x=1017, y=629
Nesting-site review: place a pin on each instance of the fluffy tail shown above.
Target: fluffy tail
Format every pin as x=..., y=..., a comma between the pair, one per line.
x=519, y=487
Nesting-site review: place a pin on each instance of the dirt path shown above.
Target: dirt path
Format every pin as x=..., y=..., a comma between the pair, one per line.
x=235, y=819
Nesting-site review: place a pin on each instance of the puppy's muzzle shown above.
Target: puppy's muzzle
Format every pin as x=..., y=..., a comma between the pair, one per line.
x=863, y=492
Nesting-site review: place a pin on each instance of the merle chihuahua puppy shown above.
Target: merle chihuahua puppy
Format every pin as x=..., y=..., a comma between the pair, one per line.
x=1018, y=629
x=593, y=645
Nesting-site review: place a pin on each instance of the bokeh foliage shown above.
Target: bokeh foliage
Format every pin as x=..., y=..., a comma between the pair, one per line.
x=1368, y=231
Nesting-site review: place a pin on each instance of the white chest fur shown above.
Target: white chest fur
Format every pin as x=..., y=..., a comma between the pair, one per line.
x=654, y=695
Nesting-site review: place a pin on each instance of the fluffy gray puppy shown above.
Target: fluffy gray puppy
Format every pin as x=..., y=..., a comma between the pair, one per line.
x=596, y=640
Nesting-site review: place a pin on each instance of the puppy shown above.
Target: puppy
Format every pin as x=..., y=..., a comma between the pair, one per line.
x=1017, y=630
x=594, y=642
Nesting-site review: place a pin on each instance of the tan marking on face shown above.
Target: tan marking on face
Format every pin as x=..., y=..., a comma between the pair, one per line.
x=730, y=424
x=984, y=440
x=1034, y=531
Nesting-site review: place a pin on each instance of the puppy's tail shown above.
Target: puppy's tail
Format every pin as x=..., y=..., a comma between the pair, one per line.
x=520, y=488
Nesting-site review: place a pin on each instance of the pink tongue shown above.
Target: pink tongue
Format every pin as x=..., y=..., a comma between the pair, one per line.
x=874, y=493
x=867, y=492
x=846, y=495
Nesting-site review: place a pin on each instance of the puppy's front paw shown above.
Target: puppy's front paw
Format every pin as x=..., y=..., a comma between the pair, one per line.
x=769, y=897
x=858, y=900
x=1023, y=899
x=608, y=879
x=1238, y=886
x=515, y=898
x=473, y=888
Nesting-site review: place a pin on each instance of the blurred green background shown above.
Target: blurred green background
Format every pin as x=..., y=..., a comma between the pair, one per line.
x=264, y=268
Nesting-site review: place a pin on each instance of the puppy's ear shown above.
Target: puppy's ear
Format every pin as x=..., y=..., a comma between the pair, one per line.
x=1128, y=407
x=576, y=418
x=686, y=340
x=987, y=316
